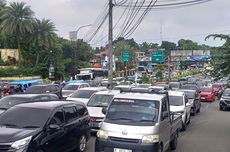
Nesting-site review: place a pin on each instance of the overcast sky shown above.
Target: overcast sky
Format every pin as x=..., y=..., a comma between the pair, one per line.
x=194, y=22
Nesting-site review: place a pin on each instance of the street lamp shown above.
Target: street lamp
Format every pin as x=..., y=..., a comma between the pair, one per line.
x=75, y=53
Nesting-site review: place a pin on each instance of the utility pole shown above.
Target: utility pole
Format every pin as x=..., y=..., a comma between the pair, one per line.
x=110, y=47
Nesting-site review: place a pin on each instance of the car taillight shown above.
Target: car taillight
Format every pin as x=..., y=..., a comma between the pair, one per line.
x=92, y=119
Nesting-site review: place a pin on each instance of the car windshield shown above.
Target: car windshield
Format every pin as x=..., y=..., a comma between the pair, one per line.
x=100, y=100
x=83, y=94
x=189, y=87
x=133, y=111
x=70, y=87
x=8, y=101
x=174, y=85
x=175, y=100
x=23, y=117
x=190, y=95
x=216, y=86
x=36, y=89
x=206, y=89
x=226, y=93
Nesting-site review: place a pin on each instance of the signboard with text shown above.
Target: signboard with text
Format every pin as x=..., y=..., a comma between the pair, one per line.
x=158, y=56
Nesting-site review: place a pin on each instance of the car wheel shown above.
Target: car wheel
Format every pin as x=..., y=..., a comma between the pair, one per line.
x=173, y=143
x=81, y=146
x=160, y=149
x=221, y=108
x=184, y=125
x=189, y=120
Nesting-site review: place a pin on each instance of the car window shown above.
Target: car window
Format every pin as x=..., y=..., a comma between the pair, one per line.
x=58, y=118
x=70, y=113
x=81, y=110
x=53, y=97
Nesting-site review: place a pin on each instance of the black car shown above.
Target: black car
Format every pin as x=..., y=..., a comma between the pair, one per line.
x=12, y=100
x=225, y=100
x=45, y=88
x=56, y=126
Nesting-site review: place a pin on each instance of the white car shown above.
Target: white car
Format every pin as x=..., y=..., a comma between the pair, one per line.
x=83, y=94
x=179, y=103
x=97, y=102
x=69, y=88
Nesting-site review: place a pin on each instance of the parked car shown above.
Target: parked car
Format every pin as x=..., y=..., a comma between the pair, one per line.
x=192, y=87
x=49, y=127
x=69, y=88
x=179, y=103
x=138, y=122
x=12, y=100
x=207, y=94
x=96, y=103
x=225, y=100
x=45, y=88
x=195, y=103
x=84, y=94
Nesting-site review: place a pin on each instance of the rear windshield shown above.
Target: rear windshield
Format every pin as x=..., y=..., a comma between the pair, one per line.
x=133, y=111
x=226, y=93
x=174, y=85
x=22, y=117
x=8, y=101
x=175, y=100
x=206, y=89
x=189, y=87
x=70, y=87
x=190, y=95
x=83, y=94
x=100, y=100
x=36, y=89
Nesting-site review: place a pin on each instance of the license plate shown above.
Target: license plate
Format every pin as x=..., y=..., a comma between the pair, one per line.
x=202, y=97
x=121, y=150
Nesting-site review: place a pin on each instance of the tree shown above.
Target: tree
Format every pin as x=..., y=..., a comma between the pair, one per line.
x=17, y=19
x=187, y=45
x=145, y=46
x=221, y=57
x=168, y=46
x=43, y=36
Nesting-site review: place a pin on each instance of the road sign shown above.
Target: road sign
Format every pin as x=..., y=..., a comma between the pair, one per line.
x=124, y=56
x=158, y=56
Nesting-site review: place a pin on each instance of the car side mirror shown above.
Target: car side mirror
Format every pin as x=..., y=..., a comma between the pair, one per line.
x=54, y=127
x=104, y=110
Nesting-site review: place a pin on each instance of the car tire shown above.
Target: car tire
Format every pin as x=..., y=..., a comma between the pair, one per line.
x=189, y=119
x=221, y=108
x=82, y=142
x=184, y=126
x=173, y=143
x=160, y=148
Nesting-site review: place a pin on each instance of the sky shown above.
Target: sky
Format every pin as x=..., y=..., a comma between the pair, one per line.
x=193, y=22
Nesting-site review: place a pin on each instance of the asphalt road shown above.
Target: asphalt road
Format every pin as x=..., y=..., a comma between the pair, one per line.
x=209, y=131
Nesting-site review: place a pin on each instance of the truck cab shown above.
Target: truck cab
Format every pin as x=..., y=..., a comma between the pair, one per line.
x=138, y=122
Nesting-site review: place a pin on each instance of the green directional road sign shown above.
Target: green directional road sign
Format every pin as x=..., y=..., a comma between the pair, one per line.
x=158, y=56
x=124, y=56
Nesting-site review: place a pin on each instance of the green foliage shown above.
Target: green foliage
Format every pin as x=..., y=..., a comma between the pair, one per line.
x=145, y=79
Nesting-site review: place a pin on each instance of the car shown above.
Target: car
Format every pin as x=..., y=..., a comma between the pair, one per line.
x=69, y=88
x=174, y=85
x=96, y=103
x=15, y=99
x=84, y=94
x=178, y=102
x=192, y=87
x=138, y=122
x=123, y=87
x=45, y=88
x=195, y=103
x=157, y=88
x=207, y=94
x=225, y=100
x=56, y=126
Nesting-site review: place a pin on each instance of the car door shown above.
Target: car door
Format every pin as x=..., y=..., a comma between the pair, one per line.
x=54, y=139
x=165, y=123
x=187, y=107
x=72, y=126
x=84, y=118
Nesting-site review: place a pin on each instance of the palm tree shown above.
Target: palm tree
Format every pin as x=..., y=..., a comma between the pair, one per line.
x=43, y=36
x=17, y=19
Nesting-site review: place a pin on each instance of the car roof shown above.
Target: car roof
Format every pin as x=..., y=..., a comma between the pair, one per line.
x=186, y=90
x=76, y=83
x=110, y=92
x=140, y=96
x=47, y=105
x=27, y=95
x=176, y=93
x=93, y=88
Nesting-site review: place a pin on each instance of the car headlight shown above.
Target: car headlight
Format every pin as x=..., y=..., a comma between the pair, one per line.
x=148, y=139
x=21, y=143
x=102, y=134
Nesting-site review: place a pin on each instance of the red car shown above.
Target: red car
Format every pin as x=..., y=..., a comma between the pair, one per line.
x=207, y=94
x=216, y=87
